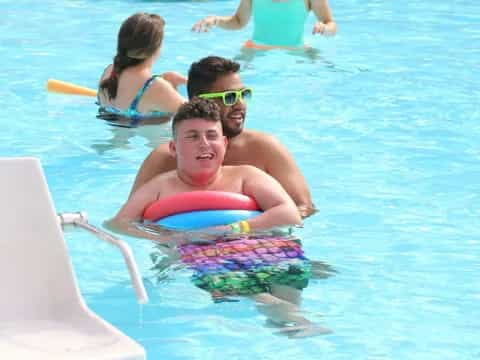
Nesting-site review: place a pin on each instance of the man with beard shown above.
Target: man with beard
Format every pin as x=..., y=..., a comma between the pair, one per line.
x=218, y=79
x=275, y=282
x=199, y=147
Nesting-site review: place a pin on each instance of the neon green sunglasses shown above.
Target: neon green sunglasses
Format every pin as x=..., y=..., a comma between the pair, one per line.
x=229, y=97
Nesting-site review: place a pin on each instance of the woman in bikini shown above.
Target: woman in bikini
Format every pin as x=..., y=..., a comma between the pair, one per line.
x=129, y=93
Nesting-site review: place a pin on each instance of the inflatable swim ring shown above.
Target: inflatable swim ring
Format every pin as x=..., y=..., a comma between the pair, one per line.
x=201, y=209
x=205, y=218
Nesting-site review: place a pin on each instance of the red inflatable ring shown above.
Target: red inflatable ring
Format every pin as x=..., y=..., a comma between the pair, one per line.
x=198, y=200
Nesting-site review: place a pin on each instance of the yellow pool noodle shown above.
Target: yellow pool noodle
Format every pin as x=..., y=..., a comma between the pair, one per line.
x=63, y=87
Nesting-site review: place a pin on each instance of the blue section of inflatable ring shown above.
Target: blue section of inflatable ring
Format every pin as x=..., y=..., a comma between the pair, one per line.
x=194, y=220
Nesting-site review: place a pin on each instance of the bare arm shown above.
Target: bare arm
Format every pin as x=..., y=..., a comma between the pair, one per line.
x=101, y=93
x=107, y=70
x=163, y=96
x=233, y=22
x=278, y=207
x=284, y=169
x=174, y=78
x=133, y=210
x=157, y=162
x=129, y=219
x=325, y=24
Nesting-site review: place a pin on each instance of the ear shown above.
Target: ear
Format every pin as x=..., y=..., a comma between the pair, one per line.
x=225, y=141
x=172, y=148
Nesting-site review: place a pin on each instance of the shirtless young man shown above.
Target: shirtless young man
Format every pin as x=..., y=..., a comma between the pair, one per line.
x=198, y=146
x=218, y=79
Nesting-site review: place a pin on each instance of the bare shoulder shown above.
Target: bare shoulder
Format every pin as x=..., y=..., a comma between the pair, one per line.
x=161, y=149
x=245, y=168
x=102, y=94
x=160, y=153
x=106, y=73
x=251, y=173
x=161, y=85
x=154, y=187
x=164, y=178
x=158, y=161
x=264, y=142
x=159, y=89
x=162, y=94
x=277, y=159
x=242, y=171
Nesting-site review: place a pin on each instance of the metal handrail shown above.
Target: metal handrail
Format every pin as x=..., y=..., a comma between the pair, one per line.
x=80, y=219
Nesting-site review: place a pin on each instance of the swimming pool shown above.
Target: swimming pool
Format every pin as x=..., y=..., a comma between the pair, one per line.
x=384, y=122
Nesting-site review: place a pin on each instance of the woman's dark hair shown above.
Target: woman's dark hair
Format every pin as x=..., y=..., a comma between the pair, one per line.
x=196, y=108
x=204, y=73
x=138, y=39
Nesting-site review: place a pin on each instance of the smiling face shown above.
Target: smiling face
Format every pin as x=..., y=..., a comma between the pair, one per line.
x=199, y=147
x=233, y=117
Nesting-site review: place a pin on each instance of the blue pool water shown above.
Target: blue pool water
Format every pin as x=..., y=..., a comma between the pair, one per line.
x=384, y=121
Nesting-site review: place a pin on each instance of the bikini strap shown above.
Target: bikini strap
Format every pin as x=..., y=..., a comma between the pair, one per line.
x=134, y=104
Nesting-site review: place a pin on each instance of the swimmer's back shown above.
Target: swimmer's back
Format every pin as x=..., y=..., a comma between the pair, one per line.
x=129, y=85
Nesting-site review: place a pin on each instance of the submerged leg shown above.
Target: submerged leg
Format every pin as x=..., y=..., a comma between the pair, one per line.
x=286, y=315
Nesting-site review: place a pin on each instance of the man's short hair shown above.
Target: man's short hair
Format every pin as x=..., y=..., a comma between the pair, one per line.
x=206, y=71
x=196, y=108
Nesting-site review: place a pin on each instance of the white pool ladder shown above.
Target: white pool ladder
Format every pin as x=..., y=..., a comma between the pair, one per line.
x=42, y=312
x=79, y=219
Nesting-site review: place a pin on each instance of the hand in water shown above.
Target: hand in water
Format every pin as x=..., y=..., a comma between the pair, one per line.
x=205, y=24
x=322, y=29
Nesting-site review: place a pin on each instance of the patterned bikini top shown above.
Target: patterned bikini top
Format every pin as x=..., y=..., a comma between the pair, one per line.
x=114, y=115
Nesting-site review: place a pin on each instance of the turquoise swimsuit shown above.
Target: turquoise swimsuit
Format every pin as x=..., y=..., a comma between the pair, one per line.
x=279, y=23
x=114, y=115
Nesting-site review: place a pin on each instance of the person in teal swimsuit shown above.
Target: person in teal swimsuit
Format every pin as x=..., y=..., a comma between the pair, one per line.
x=129, y=93
x=277, y=23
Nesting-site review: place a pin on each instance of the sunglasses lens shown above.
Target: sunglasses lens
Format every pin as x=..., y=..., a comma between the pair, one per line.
x=230, y=98
x=246, y=94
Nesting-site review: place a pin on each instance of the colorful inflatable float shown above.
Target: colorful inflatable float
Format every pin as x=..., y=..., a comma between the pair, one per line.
x=246, y=264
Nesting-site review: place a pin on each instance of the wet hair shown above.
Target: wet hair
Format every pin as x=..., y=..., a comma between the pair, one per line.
x=206, y=71
x=196, y=108
x=138, y=39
